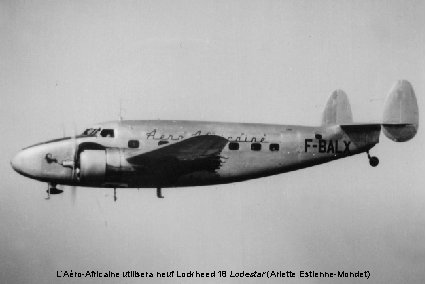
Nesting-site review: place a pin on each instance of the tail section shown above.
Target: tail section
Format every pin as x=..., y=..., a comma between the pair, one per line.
x=337, y=109
x=401, y=113
x=400, y=117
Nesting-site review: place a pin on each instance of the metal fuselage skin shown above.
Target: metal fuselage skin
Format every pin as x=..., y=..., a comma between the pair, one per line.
x=298, y=147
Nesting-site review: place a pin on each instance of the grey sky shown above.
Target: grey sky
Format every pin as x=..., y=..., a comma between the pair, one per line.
x=66, y=63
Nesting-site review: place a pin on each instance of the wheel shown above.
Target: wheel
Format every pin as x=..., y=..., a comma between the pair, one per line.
x=374, y=161
x=54, y=190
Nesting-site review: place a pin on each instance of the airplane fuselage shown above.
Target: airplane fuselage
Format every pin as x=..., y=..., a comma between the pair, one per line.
x=100, y=157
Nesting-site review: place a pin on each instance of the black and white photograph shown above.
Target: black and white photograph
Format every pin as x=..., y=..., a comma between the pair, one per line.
x=259, y=141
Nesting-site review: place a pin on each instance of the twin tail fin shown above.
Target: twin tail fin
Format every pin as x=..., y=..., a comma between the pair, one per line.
x=401, y=113
x=337, y=110
x=400, y=116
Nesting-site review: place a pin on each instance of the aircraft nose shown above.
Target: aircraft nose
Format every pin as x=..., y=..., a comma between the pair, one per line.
x=25, y=162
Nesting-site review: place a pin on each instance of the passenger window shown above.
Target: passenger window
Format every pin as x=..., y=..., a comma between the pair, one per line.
x=163, y=142
x=133, y=144
x=256, y=146
x=274, y=147
x=107, y=133
x=234, y=146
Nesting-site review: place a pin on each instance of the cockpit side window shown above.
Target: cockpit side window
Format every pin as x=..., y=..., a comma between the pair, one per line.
x=107, y=132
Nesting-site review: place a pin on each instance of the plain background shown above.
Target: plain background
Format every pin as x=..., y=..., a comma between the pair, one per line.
x=67, y=64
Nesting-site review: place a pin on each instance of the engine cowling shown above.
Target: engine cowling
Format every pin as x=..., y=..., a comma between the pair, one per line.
x=93, y=165
x=103, y=165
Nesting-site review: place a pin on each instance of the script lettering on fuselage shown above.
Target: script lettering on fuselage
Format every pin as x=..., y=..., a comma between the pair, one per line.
x=250, y=139
x=328, y=146
x=160, y=136
x=155, y=135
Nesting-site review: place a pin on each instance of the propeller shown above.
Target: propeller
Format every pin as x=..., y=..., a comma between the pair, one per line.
x=73, y=164
x=52, y=188
x=73, y=194
x=74, y=169
x=75, y=153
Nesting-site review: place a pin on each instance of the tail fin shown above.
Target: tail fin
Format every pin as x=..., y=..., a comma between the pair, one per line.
x=401, y=114
x=337, y=109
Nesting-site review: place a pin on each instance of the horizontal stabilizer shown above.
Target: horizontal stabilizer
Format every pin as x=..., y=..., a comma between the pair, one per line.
x=360, y=126
x=362, y=132
x=401, y=113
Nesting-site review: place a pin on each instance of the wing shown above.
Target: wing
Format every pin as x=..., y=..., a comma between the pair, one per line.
x=200, y=153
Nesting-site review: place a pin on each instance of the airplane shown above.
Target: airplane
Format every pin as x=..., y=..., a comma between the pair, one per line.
x=163, y=154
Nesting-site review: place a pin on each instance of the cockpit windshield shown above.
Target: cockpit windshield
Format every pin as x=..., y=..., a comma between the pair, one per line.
x=91, y=131
x=98, y=132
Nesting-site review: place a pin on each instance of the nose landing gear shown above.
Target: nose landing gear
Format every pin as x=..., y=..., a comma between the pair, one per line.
x=52, y=189
x=374, y=161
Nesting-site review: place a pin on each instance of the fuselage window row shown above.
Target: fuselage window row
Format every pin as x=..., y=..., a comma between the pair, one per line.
x=254, y=146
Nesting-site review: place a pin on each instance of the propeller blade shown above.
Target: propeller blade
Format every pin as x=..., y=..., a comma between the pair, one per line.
x=73, y=194
x=75, y=152
x=64, y=134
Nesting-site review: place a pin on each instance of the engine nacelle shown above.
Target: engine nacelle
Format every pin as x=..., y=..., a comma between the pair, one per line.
x=103, y=165
x=93, y=165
